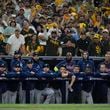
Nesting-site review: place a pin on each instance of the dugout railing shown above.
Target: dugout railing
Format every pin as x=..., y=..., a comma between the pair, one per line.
x=64, y=89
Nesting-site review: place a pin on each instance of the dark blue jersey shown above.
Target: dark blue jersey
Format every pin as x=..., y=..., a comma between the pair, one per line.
x=57, y=83
x=14, y=74
x=101, y=87
x=77, y=86
x=45, y=79
x=3, y=83
x=50, y=74
x=69, y=64
x=13, y=84
x=39, y=62
x=87, y=82
x=14, y=61
x=29, y=73
x=83, y=63
x=3, y=72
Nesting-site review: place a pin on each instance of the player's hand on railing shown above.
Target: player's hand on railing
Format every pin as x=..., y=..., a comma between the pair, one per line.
x=70, y=88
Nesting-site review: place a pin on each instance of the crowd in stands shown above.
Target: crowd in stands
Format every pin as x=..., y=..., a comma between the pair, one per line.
x=55, y=28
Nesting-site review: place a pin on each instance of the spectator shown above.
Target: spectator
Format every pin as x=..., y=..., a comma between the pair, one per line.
x=95, y=47
x=1, y=26
x=39, y=29
x=75, y=33
x=27, y=32
x=18, y=5
x=20, y=17
x=39, y=24
x=105, y=41
x=97, y=3
x=50, y=24
x=33, y=45
x=68, y=44
x=27, y=11
x=9, y=30
x=15, y=42
x=53, y=45
x=2, y=45
x=82, y=44
x=43, y=42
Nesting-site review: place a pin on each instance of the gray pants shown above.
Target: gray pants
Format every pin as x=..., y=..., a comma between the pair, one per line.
x=87, y=97
x=41, y=96
x=32, y=96
x=48, y=95
x=12, y=97
x=22, y=96
x=58, y=96
x=36, y=96
x=5, y=97
x=108, y=96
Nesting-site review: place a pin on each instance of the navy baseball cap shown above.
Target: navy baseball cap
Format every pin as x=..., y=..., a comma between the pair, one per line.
x=17, y=65
x=63, y=66
x=46, y=65
x=88, y=66
x=29, y=61
x=2, y=64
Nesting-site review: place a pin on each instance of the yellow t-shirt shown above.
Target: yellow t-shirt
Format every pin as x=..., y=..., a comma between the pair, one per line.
x=94, y=20
x=52, y=25
x=82, y=26
x=2, y=37
x=72, y=9
x=35, y=9
x=93, y=17
x=59, y=2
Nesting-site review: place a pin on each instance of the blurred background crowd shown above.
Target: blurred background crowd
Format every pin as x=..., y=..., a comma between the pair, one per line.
x=55, y=27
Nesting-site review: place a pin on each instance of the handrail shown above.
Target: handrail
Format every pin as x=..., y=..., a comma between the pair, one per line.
x=61, y=79
x=53, y=57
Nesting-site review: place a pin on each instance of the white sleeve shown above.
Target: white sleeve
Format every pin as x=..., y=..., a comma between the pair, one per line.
x=23, y=40
x=46, y=35
x=10, y=40
x=16, y=5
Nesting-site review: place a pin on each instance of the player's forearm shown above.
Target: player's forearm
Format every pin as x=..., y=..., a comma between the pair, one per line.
x=8, y=47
